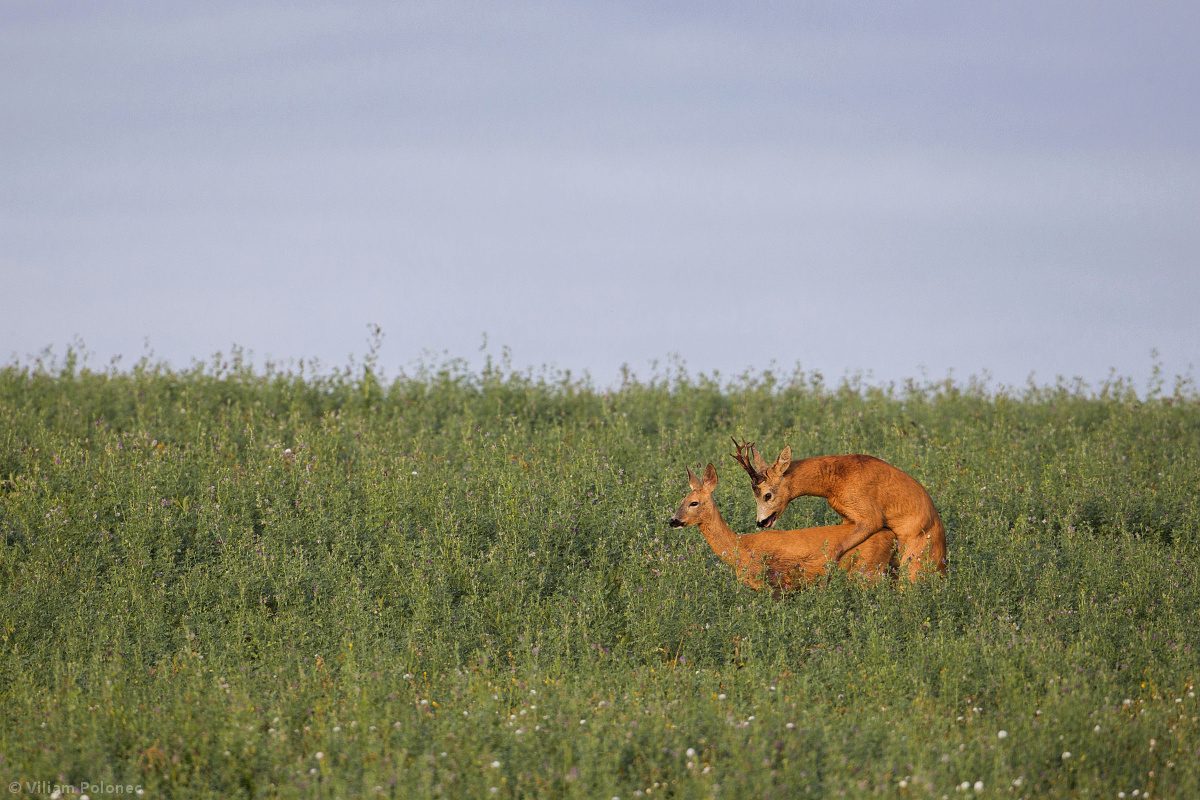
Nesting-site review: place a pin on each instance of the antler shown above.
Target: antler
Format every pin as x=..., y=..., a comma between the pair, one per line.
x=742, y=456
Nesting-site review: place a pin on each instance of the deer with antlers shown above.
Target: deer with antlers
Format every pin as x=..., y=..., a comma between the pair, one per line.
x=780, y=559
x=869, y=494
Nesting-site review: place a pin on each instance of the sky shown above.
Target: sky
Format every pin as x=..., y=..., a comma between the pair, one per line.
x=891, y=190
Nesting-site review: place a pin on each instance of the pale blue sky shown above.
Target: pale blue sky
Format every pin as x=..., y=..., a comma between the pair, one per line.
x=890, y=189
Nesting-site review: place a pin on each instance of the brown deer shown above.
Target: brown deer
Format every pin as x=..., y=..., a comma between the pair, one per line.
x=780, y=559
x=868, y=493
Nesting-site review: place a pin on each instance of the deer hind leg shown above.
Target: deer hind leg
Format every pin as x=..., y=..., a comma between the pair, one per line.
x=918, y=551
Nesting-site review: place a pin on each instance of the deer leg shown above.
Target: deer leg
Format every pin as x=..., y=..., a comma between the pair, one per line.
x=915, y=550
x=864, y=528
x=750, y=570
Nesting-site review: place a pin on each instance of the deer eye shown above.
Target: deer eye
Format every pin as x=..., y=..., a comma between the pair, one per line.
x=767, y=496
x=694, y=503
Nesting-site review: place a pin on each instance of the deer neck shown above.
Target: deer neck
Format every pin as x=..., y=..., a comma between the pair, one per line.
x=720, y=537
x=807, y=478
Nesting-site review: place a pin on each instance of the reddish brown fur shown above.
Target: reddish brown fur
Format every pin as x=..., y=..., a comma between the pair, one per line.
x=779, y=559
x=867, y=492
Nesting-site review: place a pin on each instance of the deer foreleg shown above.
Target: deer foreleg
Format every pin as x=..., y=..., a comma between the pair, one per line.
x=863, y=530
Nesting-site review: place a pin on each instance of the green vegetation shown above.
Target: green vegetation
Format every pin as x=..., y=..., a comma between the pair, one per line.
x=226, y=582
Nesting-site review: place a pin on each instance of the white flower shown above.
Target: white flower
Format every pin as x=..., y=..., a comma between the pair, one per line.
x=691, y=752
x=1066, y=754
x=495, y=765
x=1096, y=729
x=979, y=786
x=1001, y=734
x=962, y=787
x=318, y=755
x=790, y=726
x=903, y=784
x=721, y=696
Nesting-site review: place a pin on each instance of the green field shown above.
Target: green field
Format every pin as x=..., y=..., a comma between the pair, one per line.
x=461, y=584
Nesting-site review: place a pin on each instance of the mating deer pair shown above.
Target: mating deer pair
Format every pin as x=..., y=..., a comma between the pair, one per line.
x=883, y=507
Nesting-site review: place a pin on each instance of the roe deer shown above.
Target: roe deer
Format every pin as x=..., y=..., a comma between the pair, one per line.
x=780, y=559
x=869, y=493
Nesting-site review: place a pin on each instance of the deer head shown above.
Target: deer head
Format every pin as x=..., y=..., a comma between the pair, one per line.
x=764, y=480
x=698, y=501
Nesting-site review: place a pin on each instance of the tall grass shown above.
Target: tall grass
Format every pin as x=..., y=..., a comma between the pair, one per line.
x=227, y=581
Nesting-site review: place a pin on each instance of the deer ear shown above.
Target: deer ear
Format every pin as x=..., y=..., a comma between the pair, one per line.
x=694, y=481
x=784, y=461
x=760, y=463
x=710, y=477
